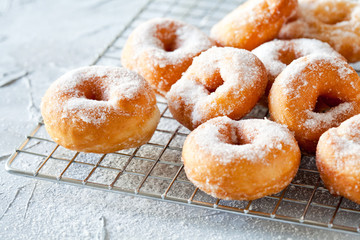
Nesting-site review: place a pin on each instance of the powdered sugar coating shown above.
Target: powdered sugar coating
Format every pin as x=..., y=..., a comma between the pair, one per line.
x=189, y=40
x=272, y=53
x=334, y=21
x=93, y=93
x=296, y=91
x=80, y=108
x=240, y=160
x=100, y=109
x=338, y=159
x=253, y=23
x=163, y=44
x=265, y=137
x=215, y=75
x=313, y=63
x=345, y=141
x=326, y=119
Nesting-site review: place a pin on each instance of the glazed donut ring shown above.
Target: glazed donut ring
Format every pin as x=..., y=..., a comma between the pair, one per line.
x=240, y=160
x=294, y=94
x=162, y=49
x=253, y=23
x=338, y=159
x=277, y=54
x=220, y=82
x=100, y=109
x=336, y=22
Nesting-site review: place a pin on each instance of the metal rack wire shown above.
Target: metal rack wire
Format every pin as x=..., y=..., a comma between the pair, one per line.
x=155, y=170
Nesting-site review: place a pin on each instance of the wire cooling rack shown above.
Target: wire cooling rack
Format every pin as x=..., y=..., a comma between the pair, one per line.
x=155, y=170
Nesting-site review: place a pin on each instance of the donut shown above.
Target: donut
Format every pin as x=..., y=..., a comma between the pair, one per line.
x=253, y=23
x=336, y=22
x=162, y=49
x=220, y=82
x=100, y=109
x=240, y=160
x=338, y=159
x=297, y=94
x=277, y=54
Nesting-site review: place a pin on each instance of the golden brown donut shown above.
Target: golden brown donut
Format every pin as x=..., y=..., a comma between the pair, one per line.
x=336, y=22
x=162, y=49
x=296, y=91
x=100, y=109
x=338, y=159
x=277, y=54
x=253, y=23
x=240, y=160
x=220, y=82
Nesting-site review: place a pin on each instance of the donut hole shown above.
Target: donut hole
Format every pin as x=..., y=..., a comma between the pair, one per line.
x=333, y=14
x=211, y=84
x=286, y=57
x=325, y=103
x=170, y=40
x=335, y=19
x=95, y=95
x=235, y=136
x=239, y=141
x=170, y=45
x=235, y=139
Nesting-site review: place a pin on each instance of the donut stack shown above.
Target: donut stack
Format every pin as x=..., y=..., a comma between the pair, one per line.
x=210, y=83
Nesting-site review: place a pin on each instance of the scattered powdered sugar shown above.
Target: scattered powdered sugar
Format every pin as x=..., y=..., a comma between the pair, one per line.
x=220, y=136
x=271, y=53
x=91, y=94
x=127, y=216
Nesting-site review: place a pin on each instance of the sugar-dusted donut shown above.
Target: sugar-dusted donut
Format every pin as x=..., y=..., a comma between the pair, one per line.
x=240, y=160
x=162, y=49
x=338, y=159
x=220, y=82
x=253, y=23
x=100, y=109
x=306, y=82
x=277, y=54
x=336, y=22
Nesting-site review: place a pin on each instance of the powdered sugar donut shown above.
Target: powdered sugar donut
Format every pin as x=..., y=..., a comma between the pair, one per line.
x=162, y=49
x=100, y=109
x=277, y=54
x=240, y=160
x=253, y=23
x=220, y=82
x=336, y=22
x=296, y=92
x=338, y=159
